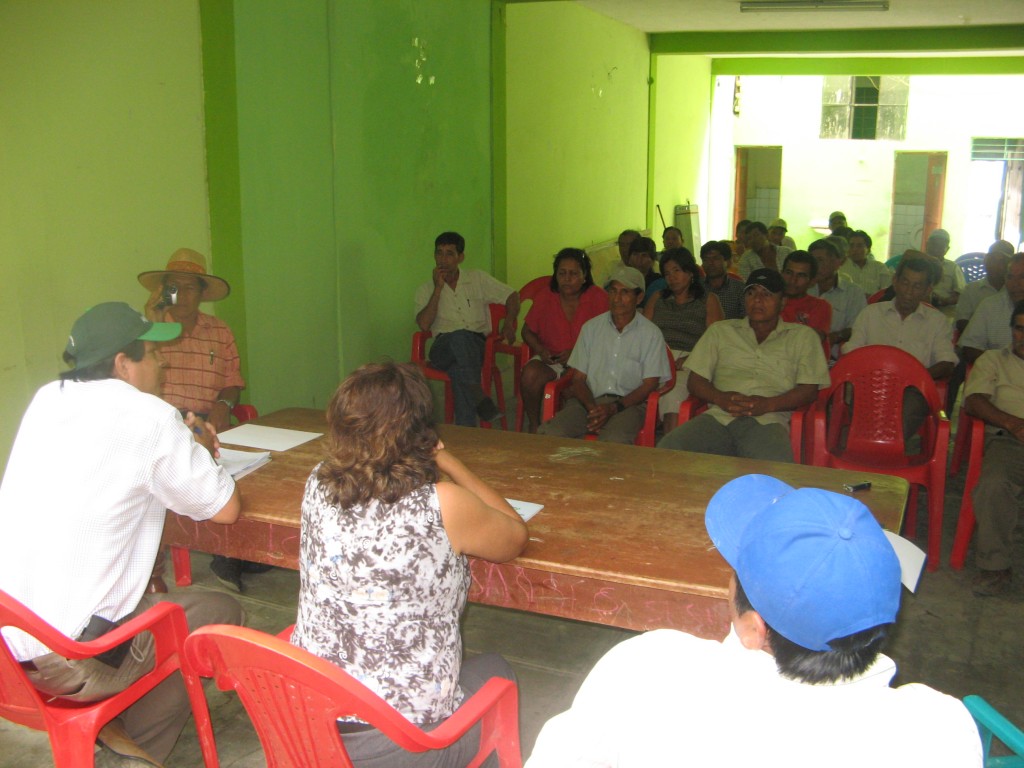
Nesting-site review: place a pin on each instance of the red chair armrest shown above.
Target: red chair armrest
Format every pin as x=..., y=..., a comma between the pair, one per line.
x=691, y=407
x=553, y=391
x=419, y=346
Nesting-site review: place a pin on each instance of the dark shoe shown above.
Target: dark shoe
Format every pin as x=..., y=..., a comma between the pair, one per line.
x=250, y=567
x=228, y=571
x=487, y=410
x=991, y=583
x=118, y=750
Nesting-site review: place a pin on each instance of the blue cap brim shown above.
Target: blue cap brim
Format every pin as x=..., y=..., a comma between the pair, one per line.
x=738, y=502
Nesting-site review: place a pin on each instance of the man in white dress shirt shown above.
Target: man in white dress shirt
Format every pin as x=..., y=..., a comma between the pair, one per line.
x=97, y=461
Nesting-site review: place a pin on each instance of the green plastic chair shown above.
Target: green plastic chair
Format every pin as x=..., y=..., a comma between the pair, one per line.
x=992, y=723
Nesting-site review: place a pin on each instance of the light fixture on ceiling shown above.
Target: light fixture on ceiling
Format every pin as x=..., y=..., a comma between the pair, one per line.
x=758, y=6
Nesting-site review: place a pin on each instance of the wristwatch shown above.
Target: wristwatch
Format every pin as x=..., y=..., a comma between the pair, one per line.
x=228, y=403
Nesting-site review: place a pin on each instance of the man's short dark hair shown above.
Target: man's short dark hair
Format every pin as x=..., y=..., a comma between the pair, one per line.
x=643, y=245
x=451, y=238
x=1018, y=309
x=824, y=245
x=919, y=264
x=849, y=656
x=802, y=257
x=759, y=226
x=843, y=232
x=716, y=245
x=742, y=224
x=104, y=369
x=629, y=232
x=863, y=235
x=677, y=230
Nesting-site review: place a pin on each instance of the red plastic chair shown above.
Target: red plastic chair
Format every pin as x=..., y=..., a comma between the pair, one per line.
x=965, y=523
x=520, y=352
x=73, y=726
x=878, y=375
x=295, y=698
x=487, y=373
x=692, y=407
x=555, y=390
x=244, y=413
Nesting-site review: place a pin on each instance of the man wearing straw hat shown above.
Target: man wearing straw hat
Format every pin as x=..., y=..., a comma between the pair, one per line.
x=203, y=371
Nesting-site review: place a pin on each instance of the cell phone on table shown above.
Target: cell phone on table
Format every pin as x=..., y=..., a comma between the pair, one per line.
x=854, y=487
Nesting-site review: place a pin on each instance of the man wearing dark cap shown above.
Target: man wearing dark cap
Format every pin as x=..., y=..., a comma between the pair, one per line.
x=97, y=461
x=753, y=373
x=836, y=221
x=800, y=679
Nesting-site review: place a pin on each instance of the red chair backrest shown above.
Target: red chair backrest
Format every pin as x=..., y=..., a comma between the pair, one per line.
x=532, y=289
x=875, y=377
x=295, y=698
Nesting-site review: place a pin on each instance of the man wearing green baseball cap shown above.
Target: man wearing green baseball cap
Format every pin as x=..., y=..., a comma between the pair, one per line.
x=97, y=461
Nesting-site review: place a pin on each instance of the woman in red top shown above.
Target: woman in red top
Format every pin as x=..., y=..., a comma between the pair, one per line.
x=554, y=322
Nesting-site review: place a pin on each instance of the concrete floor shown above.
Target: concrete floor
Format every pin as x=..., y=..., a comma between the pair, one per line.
x=945, y=638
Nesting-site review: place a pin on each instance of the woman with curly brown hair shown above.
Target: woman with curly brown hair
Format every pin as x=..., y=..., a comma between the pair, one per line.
x=383, y=570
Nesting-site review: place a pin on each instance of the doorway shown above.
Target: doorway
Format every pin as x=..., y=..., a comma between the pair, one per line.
x=918, y=189
x=758, y=184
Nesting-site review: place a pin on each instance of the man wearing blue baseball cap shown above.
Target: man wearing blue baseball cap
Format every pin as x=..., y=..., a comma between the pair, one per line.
x=799, y=681
x=97, y=461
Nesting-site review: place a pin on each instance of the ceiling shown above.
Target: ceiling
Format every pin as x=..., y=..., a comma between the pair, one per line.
x=725, y=16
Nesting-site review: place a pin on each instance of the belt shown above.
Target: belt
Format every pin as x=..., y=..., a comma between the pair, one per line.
x=347, y=728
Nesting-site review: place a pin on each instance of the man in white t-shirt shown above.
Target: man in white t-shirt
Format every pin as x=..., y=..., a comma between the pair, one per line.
x=97, y=461
x=799, y=681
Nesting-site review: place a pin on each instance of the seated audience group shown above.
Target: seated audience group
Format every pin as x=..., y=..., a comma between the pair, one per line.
x=389, y=515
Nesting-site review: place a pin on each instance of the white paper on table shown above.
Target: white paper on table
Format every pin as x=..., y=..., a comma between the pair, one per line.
x=526, y=509
x=911, y=559
x=266, y=438
x=241, y=463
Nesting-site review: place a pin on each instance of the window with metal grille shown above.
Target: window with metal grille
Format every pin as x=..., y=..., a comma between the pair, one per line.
x=864, y=107
x=997, y=149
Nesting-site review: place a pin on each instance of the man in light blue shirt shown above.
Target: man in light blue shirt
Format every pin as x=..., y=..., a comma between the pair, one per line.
x=618, y=360
x=846, y=298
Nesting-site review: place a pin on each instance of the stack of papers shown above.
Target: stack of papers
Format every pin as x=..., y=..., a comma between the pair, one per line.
x=267, y=438
x=241, y=463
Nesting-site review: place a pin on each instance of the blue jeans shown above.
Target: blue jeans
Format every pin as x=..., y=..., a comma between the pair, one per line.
x=460, y=354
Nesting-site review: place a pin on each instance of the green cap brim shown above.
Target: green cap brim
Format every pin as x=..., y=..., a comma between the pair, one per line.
x=162, y=332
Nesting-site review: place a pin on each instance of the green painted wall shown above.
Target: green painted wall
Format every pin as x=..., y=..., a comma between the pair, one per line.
x=410, y=84
x=102, y=171
x=286, y=188
x=681, y=115
x=577, y=132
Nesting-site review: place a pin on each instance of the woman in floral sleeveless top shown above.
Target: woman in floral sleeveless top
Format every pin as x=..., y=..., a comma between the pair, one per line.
x=383, y=569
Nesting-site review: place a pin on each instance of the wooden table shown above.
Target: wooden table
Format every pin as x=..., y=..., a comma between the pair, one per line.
x=621, y=539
